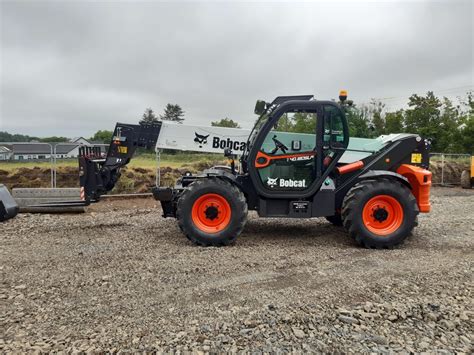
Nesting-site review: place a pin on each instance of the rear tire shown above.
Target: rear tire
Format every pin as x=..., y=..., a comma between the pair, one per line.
x=379, y=213
x=212, y=212
x=466, y=179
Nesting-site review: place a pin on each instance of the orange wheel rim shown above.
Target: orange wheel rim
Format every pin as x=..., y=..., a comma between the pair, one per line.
x=382, y=215
x=211, y=213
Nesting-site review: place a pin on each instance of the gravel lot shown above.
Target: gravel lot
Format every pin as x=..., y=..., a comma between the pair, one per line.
x=120, y=277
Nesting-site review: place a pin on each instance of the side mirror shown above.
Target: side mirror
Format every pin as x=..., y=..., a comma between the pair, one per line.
x=260, y=107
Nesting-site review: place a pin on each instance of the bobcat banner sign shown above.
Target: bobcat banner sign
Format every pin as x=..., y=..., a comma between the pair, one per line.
x=199, y=138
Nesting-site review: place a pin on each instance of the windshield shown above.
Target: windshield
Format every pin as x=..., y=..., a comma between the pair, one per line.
x=256, y=128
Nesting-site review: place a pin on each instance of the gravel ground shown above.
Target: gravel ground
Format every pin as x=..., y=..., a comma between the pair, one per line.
x=120, y=277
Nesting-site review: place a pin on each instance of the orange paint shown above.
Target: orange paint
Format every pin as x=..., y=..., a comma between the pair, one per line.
x=420, y=180
x=350, y=167
x=389, y=212
x=269, y=158
x=211, y=213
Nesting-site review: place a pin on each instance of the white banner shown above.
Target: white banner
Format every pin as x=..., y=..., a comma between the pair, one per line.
x=202, y=139
x=215, y=139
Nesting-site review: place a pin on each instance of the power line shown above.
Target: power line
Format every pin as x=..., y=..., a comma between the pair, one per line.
x=442, y=90
x=405, y=97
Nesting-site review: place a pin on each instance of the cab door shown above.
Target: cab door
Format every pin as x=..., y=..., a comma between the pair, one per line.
x=285, y=156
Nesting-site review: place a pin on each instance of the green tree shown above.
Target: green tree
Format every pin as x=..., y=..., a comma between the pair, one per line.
x=8, y=137
x=358, y=122
x=285, y=124
x=225, y=122
x=449, y=127
x=173, y=113
x=103, y=136
x=464, y=137
x=149, y=117
x=394, y=122
x=53, y=139
x=299, y=122
x=424, y=118
x=377, y=120
x=304, y=122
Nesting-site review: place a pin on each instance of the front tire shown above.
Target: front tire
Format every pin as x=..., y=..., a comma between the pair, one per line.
x=212, y=212
x=379, y=213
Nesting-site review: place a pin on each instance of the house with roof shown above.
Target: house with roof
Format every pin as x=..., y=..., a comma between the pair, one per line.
x=5, y=152
x=44, y=151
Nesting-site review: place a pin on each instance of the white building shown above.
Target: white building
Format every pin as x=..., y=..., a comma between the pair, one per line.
x=43, y=151
x=5, y=153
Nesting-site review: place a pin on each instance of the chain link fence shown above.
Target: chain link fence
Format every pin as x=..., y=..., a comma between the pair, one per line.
x=55, y=165
x=447, y=168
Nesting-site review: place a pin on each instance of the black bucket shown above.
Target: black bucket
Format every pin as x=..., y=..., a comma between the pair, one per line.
x=8, y=206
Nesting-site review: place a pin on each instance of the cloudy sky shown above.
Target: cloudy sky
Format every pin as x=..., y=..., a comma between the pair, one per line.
x=71, y=68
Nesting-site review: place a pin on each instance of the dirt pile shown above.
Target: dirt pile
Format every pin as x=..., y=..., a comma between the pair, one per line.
x=133, y=179
x=450, y=175
x=29, y=177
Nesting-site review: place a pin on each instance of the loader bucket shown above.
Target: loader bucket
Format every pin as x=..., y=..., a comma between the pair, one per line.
x=8, y=206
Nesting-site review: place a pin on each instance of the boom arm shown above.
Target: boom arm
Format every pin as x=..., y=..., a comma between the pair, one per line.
x=99, y=174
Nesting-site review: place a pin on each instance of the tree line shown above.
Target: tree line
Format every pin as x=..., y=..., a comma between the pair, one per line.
x=172, y=112
x=8, y=137
x=450, y=126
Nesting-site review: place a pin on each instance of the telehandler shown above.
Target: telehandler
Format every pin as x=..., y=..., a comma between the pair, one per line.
x=295, y=163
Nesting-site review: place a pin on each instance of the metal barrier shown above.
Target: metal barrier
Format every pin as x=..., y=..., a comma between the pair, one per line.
x=447, y=168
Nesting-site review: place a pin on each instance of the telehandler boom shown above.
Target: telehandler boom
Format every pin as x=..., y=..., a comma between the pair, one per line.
x=296, y=162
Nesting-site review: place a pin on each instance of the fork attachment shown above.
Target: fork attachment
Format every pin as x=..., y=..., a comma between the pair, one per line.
x=99, y=172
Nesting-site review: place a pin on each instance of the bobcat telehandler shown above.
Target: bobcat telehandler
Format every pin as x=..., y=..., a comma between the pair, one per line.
x=296, y=162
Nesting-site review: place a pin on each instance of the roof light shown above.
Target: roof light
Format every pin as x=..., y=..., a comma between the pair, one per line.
x=342, y=95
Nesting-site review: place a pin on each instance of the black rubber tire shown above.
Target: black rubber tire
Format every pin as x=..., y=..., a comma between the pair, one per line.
x=3, y=212
x=234, y=197
x=355, y=201
x=466, y=179
x=335, y=220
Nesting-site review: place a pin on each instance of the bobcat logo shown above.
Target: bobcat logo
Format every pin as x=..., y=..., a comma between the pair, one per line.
x=272, y=182
x=200, y=139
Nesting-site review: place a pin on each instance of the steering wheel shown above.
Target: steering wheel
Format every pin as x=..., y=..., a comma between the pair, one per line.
x=278, y=146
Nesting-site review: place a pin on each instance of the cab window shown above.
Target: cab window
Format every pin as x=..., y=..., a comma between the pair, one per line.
x=286, y=160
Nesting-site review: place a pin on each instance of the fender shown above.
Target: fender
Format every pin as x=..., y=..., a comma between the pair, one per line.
x=420, y=180
x=385, y=173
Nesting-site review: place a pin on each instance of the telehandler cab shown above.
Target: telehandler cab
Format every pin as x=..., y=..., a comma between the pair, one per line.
x=297, y=163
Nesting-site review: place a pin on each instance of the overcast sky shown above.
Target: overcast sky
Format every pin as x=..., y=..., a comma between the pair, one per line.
x=71, y=68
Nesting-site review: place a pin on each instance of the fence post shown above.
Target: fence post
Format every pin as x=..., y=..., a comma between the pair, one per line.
x=158, y=171
x=55, y=164
x=51, y=163
x=442, y=169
